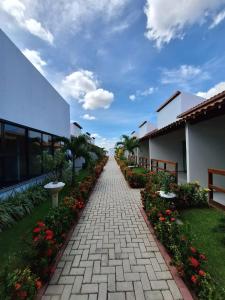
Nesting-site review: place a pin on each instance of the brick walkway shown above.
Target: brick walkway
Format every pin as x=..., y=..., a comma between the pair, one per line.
x=111, y=254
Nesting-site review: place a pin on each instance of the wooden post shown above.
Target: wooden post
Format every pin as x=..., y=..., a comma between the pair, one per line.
x=210, y=184
x=176, y=170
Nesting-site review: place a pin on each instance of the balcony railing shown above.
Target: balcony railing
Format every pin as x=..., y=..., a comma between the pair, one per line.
x=213, y=188
x=143, y=162
x=163, y=165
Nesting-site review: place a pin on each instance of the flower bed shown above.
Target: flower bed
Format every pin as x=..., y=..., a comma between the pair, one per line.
x=175, y=236
x=135, y=180
x=49, y=235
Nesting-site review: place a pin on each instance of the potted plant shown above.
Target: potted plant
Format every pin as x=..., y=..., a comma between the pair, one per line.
x=55, y=164
x=167, y=185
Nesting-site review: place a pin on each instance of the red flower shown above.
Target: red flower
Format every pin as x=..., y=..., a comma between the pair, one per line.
x=202, y=256
x=194, y=262
x=194, y=279
x=49, y=252
x=36, y=238
x=159, y=215
x=162, y=219
x=49, y=234
x=172, y=219
x=202, y=273
x=37, y=230
x=168, y=212
x=41, y=224
x=17, y=286
x=38, y=284
x=193, y=250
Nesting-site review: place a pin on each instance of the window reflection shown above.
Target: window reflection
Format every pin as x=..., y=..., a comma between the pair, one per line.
x=35, y=153
x=14, y=154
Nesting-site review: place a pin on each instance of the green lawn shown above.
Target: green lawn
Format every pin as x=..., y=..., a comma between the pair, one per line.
x=204, y=225
x=11, y=240
x=139, y=170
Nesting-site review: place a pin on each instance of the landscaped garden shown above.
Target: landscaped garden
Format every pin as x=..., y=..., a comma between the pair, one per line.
x=191, y=231
x=32, y=232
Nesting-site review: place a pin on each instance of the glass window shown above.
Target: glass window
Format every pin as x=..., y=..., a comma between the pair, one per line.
x=56, y=144
x=14, y=154
x=35, y=153
x=47, y=143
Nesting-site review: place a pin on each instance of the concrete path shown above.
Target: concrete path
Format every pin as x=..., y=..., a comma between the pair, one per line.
x=111, y=254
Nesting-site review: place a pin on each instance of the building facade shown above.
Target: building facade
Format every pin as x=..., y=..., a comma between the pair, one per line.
x=32, y=116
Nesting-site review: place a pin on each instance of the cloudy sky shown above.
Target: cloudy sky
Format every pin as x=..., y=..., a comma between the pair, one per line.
x=115, y=61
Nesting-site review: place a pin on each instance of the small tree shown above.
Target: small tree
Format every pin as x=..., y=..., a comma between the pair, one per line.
x=128, y=143
x=78, y=147
x=55, y=163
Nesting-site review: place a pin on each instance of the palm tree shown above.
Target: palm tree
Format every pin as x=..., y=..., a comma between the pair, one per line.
x=128, y=143
x=78, y=147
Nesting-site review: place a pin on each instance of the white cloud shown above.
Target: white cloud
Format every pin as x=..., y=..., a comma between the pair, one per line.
x=183, y=74
x=218, y=19
x=36, y=28
x=107, y=143
x=78, y=84
x=98, y=99
x=143, y=93
x=167, y=20
x=148, y=91
x=17, y=9
x=218, y=88
x=83, y=86
x=132, y=97
x=88, y=117
x=35, y=58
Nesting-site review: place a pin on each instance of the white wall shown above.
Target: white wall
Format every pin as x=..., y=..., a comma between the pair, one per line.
x=74, y=130
x=177, y=106
x=144, y=149
x=168, y=147
x=206, y=149
x=26, y=97
x=145, y=129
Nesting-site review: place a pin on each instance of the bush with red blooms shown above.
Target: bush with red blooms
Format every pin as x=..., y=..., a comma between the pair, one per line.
x=135, y=180
x=190, y=263
x=20, y=284
x=47, y=239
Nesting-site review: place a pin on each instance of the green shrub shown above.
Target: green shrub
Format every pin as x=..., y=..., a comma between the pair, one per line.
x=16, y=207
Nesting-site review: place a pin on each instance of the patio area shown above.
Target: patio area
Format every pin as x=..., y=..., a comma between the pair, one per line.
x=112, y=254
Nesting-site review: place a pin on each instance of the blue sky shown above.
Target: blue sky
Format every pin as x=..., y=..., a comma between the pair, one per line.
x=116, y=61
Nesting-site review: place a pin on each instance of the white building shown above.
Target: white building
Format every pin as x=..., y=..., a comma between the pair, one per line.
x=32, y=115
x=190, y=140
x=75, y=129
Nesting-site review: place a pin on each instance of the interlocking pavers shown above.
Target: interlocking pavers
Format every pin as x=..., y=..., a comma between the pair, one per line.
x=111, y=254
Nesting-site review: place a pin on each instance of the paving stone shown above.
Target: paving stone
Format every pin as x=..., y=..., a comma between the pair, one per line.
x=116, y=296
x=89, y=288
x=159, y=285
x=123, y=286
x=153, y=295
x=138, y=289
x=174, y=289
x=99, y=278
x=112, y=255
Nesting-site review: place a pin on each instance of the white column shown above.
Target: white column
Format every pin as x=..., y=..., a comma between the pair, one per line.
x=188, y=154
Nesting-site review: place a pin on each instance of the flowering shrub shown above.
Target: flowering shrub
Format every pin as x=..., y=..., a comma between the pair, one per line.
x=135, y=180
x=47, y=239
x=20, y=284
x=191, y=264
x=191, y=195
